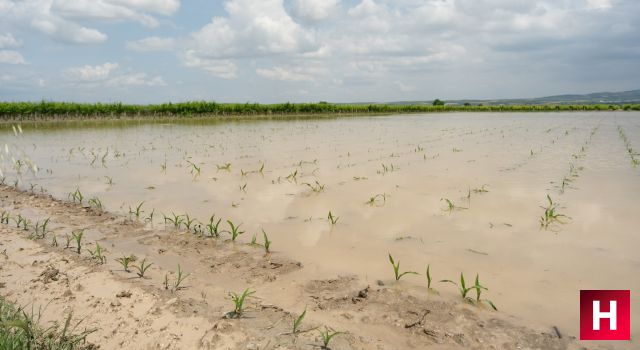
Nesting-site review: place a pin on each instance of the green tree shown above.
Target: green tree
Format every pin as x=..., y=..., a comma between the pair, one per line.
x=438, y=102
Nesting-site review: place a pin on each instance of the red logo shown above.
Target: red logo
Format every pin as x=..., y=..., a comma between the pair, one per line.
x=605, y=315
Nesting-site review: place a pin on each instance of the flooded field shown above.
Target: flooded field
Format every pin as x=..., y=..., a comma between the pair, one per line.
x=456, y=192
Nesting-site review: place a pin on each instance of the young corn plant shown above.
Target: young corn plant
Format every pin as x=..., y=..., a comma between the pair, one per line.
x=180, y=277
x=5, y=217
x=234, y=230
x=40, y=229
x=125, y=261
x=316, y=187
x=76, y=196
x=326, y=336
x=332, y=218
x=96, y=203
x=142, y=268
x=238, y=302
x=77, y=237
x=225, y=166
x=451, y=206
x=429, y=277
x=98, y=254
x=478, y=288
x=212, y=227
x=188, y=222
x=267, y=242
x=298, y=321
x=176, y=220
x=137, y=211
x=551, y=215
x=378, y=200
x=396, y=269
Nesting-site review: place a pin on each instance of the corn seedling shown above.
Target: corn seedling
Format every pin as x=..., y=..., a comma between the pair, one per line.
x=451, y=206
x=95, y=202
x=316, y=187
x=551, y=215
x=396, y=269
x=213, y=228
x=195, y=170
x=40, y=229
x=378, y=200
x=77, y=237
x=428, y=277
x=226, y=166
x=176, y=220
x=125, y=261
x=238, y=301
x=326, y=336
x=478, y=287
x=142, y=268
x=254, y=240
x=298, y=321
x=235, y=230
x=188, y=221
x=76, y=196
x=5, y=217
x=180, y=277
x=333, y=219
x=67, y=243
x=243, y=187
x=98, y=254
x=292, y=176
x=109, y=180
x=137, y=211
x=267, y=242
x=54, y=241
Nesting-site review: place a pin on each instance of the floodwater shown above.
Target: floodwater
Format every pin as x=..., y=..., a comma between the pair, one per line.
x=410, y=165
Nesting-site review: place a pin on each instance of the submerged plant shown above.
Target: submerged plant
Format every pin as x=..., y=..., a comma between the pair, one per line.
x=213, y=227
x=333, y=219
x=316, y=187
x=396, y=269
x=451, y=206
x=76, y=196
x=95, y=202
x=137, y=211
x=267, y=242
x=235, y=230
x=551, y=215
x=238, y=301
x=180, y=277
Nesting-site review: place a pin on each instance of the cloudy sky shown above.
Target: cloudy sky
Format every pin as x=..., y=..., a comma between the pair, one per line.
x=142, y=51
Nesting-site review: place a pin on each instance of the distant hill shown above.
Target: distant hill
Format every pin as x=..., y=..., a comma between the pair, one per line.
x=632, y=96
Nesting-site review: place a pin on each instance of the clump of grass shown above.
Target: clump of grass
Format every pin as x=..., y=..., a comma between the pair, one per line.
x=551, y=215
x=238, y=302
x=396, y=269
x=77, y=237
x=332, y=218
x=125, y=261
x=20, y=329
x=98, y=254
x=327, y=335
x=298, y=321
x=142, y=268
x=234, y=230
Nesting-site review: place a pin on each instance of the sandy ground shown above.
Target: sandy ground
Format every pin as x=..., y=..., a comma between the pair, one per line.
x=139, y=313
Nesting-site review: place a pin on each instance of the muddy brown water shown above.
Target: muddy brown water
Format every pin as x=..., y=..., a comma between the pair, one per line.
x=496, y=169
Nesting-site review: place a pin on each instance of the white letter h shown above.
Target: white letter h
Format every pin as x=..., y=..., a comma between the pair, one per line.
x=611, y=315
